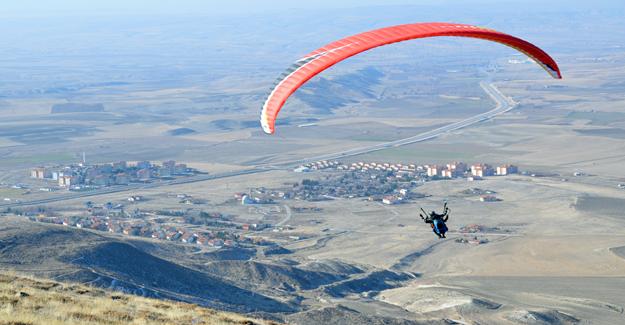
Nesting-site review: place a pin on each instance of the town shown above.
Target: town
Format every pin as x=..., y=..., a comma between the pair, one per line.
x=389, y=183
x=432, y=171
x=386, y=183
x=82, y=176
x=205, y=229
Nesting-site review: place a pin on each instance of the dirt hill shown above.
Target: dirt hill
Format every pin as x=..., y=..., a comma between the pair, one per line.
x=72, y=255
x=27, y=300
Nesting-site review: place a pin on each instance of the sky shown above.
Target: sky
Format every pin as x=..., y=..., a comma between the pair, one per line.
x=55, y=7
x=25, y=8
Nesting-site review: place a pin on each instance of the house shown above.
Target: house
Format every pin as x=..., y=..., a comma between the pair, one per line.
x=201, y=240
x=174, y=235
x=98, y=225
x=158, y=234
x=391, y=199
x=114, y=228
x=134, y=230
x=217, y=243
x=188, y=238
x=83, y=224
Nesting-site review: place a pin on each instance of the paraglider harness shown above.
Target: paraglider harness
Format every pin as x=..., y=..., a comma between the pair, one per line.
x=437, y=221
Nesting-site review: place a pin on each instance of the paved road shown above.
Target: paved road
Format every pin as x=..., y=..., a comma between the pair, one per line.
x=503, y=105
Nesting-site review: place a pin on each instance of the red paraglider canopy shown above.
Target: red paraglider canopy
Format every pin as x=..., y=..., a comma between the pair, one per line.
x=319, y=60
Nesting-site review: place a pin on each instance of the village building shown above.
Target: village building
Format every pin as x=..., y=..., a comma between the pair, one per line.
x=506, y=170
x=144, y=165
x=447, y=173
x=65, y=181
x=119, y=166
x=391, y=199
x=433, y=170
x=482, y=170
x=39, y=172
x=122, y=179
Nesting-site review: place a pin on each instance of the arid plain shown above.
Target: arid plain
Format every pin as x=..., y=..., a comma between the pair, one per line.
x=551, y=251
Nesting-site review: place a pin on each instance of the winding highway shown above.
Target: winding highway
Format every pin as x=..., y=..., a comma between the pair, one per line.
x=503, y=105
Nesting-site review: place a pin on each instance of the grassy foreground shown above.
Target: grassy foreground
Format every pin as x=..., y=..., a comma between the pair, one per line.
x=26, y=301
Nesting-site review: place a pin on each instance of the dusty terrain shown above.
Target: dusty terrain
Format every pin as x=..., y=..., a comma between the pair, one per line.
x=33, y=301
x=552, y=251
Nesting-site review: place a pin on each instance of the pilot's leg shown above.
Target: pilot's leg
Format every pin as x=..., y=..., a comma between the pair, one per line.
x=436, y=232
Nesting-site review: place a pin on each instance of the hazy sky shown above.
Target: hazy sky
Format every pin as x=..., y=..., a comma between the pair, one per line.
x=11, y=8
x=38, y=7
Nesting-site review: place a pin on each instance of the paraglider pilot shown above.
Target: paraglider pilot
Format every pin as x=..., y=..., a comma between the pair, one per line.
x=437, y=221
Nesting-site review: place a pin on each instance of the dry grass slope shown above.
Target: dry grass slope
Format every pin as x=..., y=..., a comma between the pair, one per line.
x=30, y=301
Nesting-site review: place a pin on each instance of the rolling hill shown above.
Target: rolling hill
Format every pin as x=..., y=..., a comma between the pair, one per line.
x=28, y=300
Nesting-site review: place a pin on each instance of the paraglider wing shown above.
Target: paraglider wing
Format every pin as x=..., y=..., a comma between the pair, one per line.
x=319, y=60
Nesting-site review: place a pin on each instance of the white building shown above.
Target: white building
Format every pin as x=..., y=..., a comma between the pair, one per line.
x=433, y=171
x=65, y=181
x=506, y=169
